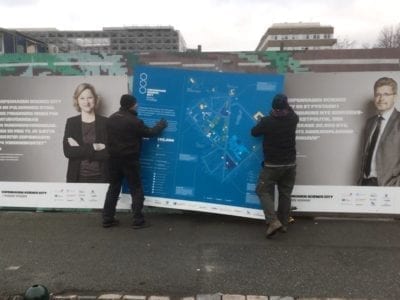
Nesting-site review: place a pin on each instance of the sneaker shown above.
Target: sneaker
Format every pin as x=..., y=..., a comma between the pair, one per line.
x=108, y=224
x=273, y=227
x=140, y=225
x=291, y=220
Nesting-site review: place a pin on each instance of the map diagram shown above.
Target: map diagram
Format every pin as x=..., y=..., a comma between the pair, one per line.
x=206, y=153
x=215, y=116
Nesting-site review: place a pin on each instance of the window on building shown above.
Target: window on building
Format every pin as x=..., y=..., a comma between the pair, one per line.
x=20, y=49
x=30, y=47
x=91, y=42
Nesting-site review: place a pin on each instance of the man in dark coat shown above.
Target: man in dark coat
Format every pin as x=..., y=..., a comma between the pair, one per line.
x=279, y=166
x=380, y=159
x=125, y=132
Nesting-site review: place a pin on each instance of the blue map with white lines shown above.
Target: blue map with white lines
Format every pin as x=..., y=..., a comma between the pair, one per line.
x=207, y=153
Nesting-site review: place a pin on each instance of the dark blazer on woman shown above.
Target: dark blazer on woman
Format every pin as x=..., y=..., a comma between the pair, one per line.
x=75, y=155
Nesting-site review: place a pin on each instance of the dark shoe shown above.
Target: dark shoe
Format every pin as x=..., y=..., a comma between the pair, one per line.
x=283, y=229
x=140, y=225
x=108, y=224
x=273, y=227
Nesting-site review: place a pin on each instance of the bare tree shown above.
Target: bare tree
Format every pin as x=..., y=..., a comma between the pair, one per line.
x=366, y=46
x=344, y=43
x=389, y=37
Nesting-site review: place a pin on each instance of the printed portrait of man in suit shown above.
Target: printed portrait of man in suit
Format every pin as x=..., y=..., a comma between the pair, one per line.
x=380, y=159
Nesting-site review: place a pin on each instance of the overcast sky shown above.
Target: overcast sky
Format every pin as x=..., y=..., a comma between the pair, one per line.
x=217, y=25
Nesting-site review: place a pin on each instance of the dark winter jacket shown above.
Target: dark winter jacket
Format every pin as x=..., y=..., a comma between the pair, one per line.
x=279, y=132
x=125, y=132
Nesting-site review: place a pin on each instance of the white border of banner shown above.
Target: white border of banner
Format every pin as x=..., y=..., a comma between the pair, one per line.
x=347, y=199
x=52, y=195
x=306, y=199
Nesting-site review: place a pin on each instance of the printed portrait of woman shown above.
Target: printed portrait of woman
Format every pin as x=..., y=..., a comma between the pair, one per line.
x=85, y=139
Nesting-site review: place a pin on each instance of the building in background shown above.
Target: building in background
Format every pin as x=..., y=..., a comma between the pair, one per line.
x=297, y=36
x=111, y=39
x=12, y=41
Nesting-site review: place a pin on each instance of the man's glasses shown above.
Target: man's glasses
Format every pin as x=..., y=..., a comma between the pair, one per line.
x=384, y=95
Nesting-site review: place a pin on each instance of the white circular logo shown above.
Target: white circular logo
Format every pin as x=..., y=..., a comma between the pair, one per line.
x=142, y=83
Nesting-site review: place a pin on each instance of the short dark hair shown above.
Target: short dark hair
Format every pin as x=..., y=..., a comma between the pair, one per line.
x=127, y=101
x=280, y=101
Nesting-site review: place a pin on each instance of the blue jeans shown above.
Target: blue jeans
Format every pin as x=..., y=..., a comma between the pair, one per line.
x=284, y=178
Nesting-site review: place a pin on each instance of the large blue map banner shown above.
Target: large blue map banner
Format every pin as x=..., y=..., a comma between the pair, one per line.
x=206, y=154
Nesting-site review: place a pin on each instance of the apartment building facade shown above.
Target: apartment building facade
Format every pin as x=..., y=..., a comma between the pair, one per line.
x=111, y=39
x=12, y=41
x=297, y=36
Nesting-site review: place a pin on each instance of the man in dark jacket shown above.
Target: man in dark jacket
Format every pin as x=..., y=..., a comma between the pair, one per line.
x=279, y=165
x=125, y=132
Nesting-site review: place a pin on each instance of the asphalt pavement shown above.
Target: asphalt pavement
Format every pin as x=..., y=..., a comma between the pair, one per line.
x=185, y=254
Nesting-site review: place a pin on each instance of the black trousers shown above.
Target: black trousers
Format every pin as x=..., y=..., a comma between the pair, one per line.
x=121, y=168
